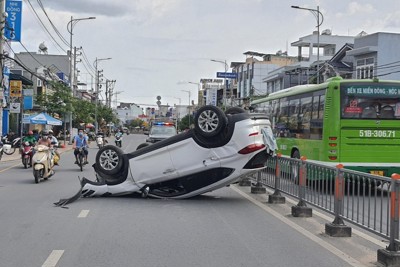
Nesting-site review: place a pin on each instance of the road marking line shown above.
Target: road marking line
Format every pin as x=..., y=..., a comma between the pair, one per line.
x=347, y=258
x=13, y=166
x=83, y=214
x=53, y=258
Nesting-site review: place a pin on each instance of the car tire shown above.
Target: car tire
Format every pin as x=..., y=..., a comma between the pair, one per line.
x=234, y=110
x=109, y=159
x=142, y=145
x=210, y=121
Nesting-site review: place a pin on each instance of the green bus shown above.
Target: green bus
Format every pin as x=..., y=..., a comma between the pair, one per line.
x=352, y=122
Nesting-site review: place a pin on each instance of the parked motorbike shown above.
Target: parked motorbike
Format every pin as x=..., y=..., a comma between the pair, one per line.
x=1, y=150
x=118, y=140
x=100, y=141
x=43, y=163
x=27, y=154
x=9, y=147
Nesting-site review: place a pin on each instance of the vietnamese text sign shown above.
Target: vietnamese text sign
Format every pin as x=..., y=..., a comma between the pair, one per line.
x=228, y=75
x=13, y=20
x=380, y=90
x=15, y=88
x=211, y=98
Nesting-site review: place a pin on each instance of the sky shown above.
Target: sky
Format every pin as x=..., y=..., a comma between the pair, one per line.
x=158, y=46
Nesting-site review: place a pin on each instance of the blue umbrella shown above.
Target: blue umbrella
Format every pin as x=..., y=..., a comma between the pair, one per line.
x=41, y=118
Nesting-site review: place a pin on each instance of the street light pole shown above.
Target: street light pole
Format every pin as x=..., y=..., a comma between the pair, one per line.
x=70, y=28
x=96, y=125
x=316, y=14
x=199, y=101
x=225, y=88
x=188, y=91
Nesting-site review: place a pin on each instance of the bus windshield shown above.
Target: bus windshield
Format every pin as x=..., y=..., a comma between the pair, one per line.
x=370, y=101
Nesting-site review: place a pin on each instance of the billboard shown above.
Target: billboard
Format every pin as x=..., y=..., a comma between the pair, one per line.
x=12, y=30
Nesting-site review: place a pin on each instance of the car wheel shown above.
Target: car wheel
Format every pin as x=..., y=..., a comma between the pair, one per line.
x=234, y=110
x=142, y=145
x=210, y=121
x=109, y=159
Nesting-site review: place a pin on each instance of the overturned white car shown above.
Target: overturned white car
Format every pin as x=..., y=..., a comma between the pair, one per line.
x=222, y=148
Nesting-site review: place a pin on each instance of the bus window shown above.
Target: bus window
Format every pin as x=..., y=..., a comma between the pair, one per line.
x=294, y=120
x=282, y=121
x=369, y=102
x=305, y=113
x=321, y=107
x=315, y=107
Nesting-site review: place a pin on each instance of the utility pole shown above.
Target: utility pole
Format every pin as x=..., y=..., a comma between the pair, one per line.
x=2, y=26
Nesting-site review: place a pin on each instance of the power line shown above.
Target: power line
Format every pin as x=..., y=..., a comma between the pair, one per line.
x=52, y=24
x=46, y=30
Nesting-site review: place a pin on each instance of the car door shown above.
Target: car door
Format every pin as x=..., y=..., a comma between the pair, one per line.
x=189, y=158
x=153, y=167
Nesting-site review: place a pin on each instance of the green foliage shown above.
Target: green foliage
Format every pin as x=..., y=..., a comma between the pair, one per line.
x=184, y=122
x=57, y=100
x=83, y=112
x=136, y=123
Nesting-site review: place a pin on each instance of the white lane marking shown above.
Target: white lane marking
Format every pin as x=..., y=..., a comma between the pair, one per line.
x=83, y=214
x=317, y=240
x=53, y=258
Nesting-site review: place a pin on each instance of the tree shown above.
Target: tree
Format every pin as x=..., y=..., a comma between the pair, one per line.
x=136, y=123
x=184, y=122
x=58, y=100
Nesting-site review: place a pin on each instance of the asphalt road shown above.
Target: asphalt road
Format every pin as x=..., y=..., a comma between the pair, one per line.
x=228, y=227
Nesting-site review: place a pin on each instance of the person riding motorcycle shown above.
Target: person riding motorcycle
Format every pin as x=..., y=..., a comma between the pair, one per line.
x=44, y=140
x=100, y=133
x=118, y=136
x=30, y=138
x=80, y=141
x=54, y=145
x=119, y=133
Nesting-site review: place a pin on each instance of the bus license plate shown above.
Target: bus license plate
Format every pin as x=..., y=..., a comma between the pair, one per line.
x=380, y=173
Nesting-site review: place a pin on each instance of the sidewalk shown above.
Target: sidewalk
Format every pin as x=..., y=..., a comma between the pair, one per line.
x=17, y=155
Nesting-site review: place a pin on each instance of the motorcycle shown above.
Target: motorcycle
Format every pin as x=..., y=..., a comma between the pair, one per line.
x=1, y=150
x=43, y=163
x=81, y=158
x=9, y=147
x=27, y=154
x=118, y=140
x=100, y=141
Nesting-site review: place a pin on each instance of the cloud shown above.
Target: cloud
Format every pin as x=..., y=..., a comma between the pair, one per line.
x=140, y=10
x=355, y=8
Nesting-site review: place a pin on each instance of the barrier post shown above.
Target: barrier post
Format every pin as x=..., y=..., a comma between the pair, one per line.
x=276, y=197
x=258, y=188
x=337, y=228
x=391, y=255
x=301, y=209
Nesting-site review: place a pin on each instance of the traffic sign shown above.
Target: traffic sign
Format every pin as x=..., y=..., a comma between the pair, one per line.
x=228, y=75
x=15, y=88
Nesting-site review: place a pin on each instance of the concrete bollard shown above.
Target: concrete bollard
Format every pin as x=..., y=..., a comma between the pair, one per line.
x=276, y=197
x=390, y=256
x=301, y=209
x=258, y=188
x=338, y=228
